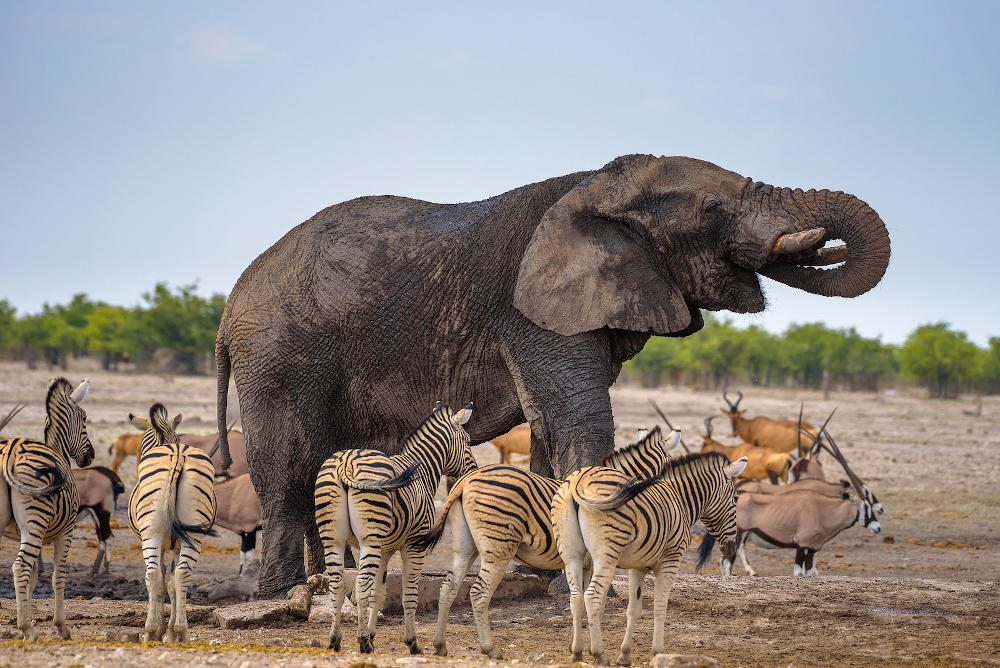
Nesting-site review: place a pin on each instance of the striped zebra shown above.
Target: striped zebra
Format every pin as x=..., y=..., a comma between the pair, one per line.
x=38, y=497
x=171, y=507
x=381, y=503
x=501, y=512
x=640, y=526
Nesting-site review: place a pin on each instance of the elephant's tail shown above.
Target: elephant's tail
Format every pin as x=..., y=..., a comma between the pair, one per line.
x=222, y=364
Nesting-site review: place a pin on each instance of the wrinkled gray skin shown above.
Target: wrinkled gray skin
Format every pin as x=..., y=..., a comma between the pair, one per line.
x=346, y=331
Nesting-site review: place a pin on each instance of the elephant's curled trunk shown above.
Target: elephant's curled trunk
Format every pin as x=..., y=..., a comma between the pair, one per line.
x=849, y=219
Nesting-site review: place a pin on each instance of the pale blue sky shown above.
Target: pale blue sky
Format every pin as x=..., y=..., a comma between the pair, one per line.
x=177, y=141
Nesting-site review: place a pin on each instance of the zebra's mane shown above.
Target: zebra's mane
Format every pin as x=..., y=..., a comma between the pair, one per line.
x=158, y=419
x=57, y=384
x=641, y=445
x=423, y=426
x=695, y=459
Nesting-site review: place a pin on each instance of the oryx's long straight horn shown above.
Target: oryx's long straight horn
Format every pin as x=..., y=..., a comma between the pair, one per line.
x=10, y=416
x=667, y=422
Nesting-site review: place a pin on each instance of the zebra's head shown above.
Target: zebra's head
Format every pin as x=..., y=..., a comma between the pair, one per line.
x=719, y=511
x=66, y=422
x=458, y=456
x=158, y=429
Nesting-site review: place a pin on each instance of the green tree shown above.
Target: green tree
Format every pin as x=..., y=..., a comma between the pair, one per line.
x=939, y=357
x=182, y=321
x=8, y=326
x=114, y=332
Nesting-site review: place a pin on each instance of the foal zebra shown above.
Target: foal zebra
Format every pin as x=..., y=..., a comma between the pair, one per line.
x=381, y=503
x=504, y=514
x=640, y=526
x=39, y=499
x=173, y=500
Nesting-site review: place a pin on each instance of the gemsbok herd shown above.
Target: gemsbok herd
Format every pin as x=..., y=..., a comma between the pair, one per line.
x=637, y=510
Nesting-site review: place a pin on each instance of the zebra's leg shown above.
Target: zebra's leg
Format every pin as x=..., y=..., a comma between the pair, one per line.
x=186, y=562
x=595, y=598
x=413, y=566
x=463, y=553
x=665, y=572
x=491, y=571
x=334, y=527
x=633, y=612
x=365, y=584
x=152, y=554
x=573, y=551
x=25, y=562
x=61, y=549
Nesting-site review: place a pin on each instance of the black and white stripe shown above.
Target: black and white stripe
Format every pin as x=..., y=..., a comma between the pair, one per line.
x=381, y=504
x=39, y=501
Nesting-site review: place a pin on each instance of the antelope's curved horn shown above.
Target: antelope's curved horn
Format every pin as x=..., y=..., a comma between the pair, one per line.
x=797, y=242
x=740, y=393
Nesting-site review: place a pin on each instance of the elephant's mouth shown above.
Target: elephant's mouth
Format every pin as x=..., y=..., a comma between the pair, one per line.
x=805, y=249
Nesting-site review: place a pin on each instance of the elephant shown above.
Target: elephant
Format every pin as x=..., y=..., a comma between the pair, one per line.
x=345, y=332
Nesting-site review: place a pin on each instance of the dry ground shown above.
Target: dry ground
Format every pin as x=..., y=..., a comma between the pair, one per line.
x=924, y=592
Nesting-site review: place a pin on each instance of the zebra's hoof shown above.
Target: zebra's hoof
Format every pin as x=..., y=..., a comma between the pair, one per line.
x=334, y=643
x=29, y=634
x=495, y=653
x=623, y=660
x=366, y=644
x=441, y=650
x=601, y=659
x=576, y=657
x=63, y=631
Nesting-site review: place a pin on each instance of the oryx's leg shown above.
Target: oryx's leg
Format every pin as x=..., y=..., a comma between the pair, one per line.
x=800, y=560
x=665, y=572
x=463, y=553
x=809, y=566
x=633, y=612
x=60, y=550
x=413, y=566
x=742, y=553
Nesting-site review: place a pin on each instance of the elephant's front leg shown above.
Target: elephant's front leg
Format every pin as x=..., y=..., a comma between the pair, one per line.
x=562, y=384
x=285, y=516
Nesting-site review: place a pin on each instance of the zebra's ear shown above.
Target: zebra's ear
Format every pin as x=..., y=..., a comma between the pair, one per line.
x=736, y=467
x=462, y=416
x=142, y=424
x=177, y=421
x=81, y=391
x=674, y=440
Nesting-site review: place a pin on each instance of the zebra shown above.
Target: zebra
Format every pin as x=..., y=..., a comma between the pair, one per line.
x=39, y=500
x=501, y=512
x=642, y=526
x=173, y=502
x=380, y=503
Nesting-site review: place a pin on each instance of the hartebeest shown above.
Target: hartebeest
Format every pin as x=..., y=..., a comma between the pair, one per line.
x=781, y=435
x=802, y=520
x=762, y=463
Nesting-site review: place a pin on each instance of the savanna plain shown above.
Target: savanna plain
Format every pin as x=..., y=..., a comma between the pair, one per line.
x=924, y=592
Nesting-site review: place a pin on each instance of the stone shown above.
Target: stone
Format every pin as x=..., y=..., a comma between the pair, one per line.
x=300, y=601
x=683, y=661
x=253, y=613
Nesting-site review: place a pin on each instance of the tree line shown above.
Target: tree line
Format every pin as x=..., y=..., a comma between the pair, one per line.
x=183, y=324
x=177, y=321
x=816, y=356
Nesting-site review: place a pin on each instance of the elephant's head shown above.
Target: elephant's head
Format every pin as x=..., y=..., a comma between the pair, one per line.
x=645, y=242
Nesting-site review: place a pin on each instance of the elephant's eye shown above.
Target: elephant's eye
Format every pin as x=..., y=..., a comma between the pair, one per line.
x=711, y=204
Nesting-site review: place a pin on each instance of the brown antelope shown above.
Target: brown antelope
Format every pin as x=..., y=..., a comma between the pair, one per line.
x=762, y=462
x=127, y=445
x=516, y=441
x=781, y=435
x=832, y=489
x=802, y=520
x=239, y=511
x=95, y=485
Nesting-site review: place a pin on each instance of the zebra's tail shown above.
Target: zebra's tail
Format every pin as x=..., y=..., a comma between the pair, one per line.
x=401, y=479
x=622, y=495
x=58, y=480
x=705, y=550
x=179, y=529
x=427, y=541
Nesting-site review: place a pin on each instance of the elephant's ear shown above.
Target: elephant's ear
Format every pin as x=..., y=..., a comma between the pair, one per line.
x=589, y=265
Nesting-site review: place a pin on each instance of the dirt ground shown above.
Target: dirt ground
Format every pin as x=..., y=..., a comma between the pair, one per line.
x=923, y=592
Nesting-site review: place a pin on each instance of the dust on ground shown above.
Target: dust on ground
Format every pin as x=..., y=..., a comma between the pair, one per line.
x=923, y=592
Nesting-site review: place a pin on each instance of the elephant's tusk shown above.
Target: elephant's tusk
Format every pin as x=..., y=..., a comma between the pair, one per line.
x=797, y=242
